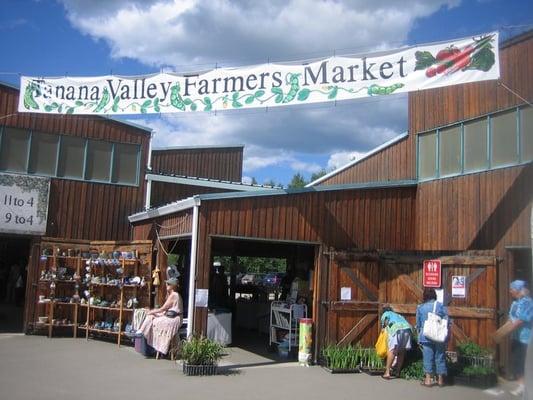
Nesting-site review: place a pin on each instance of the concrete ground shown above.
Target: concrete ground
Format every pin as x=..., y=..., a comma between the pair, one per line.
x=41, y=368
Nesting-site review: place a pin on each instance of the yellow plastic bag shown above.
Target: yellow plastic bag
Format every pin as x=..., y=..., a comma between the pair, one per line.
x=382, y=348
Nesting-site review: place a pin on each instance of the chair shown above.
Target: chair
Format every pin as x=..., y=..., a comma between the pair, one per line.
x=174, y=347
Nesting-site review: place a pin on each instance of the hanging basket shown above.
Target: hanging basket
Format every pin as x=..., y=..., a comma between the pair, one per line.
x=199, y=370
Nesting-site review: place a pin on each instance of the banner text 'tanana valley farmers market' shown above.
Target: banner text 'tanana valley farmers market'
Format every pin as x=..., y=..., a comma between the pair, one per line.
x=269, y=85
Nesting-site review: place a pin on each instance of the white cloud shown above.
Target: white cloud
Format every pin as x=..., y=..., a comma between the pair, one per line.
x=337, y=160
x=191, y=35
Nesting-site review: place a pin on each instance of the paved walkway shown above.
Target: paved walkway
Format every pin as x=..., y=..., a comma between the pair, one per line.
x=36, y=367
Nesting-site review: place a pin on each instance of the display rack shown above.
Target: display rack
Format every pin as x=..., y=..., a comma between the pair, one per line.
x=92, y=286
x=284, y=323
x=58, y=288
x=118, y=282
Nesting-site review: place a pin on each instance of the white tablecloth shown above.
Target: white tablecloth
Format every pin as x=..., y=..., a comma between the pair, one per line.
x=219, y=327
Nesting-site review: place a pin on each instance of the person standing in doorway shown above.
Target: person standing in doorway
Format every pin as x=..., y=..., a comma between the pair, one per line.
x=14, y=282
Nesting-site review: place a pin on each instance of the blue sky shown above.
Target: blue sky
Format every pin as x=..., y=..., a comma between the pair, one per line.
x=134, y=37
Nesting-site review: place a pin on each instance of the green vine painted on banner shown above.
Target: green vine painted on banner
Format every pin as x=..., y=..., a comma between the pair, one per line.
x=281, y=95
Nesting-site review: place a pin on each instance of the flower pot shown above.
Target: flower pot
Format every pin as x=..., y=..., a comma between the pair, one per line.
x=199, y=370
x=476, y=381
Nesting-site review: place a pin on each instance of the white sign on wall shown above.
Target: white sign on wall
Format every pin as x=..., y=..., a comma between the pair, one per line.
x=23, y=204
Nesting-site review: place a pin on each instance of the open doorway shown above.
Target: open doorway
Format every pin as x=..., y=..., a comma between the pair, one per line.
x=14, y=252
x=259, y=273
x=281, y=271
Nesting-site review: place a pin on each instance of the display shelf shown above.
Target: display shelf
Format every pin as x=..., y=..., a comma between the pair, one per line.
x=118, y=281
x=284, y=323
x=58, y=289
x=83, y=285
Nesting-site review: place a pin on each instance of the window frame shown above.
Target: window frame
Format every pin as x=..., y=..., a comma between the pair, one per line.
x=60, y=165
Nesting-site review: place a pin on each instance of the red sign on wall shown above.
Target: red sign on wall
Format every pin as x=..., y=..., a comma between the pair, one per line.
x=432, y=273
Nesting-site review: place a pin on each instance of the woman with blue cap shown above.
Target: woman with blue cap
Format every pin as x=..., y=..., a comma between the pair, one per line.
x=518, y=326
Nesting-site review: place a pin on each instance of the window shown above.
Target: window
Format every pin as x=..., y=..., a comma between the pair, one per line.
x=98, y=161
x=69, y=157
x=499, y=140
x=43, y=154
x=125, y=163
x=476, y=144
x=503, y=129
x=450, y=151
x=428, y=156
x=526, y=133
x=14, y=153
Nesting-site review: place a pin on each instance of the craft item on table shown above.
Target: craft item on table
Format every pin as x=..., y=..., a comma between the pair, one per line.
x=155, y=276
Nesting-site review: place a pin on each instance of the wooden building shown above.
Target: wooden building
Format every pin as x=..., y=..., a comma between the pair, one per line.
x=451, y=189
x=93, y=172
x=455, y=188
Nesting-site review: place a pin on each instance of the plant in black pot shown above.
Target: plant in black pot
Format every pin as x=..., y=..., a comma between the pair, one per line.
x=341, y=359
x=475, y=366
x=200, y=355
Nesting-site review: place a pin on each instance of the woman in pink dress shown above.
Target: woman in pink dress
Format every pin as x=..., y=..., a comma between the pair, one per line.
x=161, y=324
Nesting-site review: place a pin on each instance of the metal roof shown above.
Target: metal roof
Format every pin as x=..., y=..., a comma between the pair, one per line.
x=196, y=200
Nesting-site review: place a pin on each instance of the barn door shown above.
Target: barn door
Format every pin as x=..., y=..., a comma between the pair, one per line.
x=349, y=299
x=370, y=280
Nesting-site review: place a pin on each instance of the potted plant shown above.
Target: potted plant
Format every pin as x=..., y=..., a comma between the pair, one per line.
x=371, y=363
x=341, y=359
x=475, y=366
x=200, y=355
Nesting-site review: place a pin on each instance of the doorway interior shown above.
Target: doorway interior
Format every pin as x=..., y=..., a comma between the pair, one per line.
x=249, y=303
x=14, y=252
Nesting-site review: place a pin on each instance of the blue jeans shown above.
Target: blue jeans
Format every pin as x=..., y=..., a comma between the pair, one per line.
x=434, y=354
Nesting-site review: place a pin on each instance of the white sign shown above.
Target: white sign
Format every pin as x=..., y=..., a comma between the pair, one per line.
x=458, y=286
x=201, y=297
x=346, y=293
x=23, y=204
x=269, y=85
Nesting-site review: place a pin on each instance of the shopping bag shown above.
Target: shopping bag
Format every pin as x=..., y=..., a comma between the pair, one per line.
x=382, y=348
x=435, y=327
x=503, y=331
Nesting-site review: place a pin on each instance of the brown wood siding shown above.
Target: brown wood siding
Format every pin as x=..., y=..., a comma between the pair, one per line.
x=84, y=210
x=177, y=224
x=394, y=163
x=221, y=163
x=344, y=219
x=477, y=211
x=165, y=193
x=81, y=210
x=369, y=218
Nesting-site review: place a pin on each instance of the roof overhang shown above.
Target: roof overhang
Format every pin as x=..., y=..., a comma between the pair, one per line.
x=204, y=182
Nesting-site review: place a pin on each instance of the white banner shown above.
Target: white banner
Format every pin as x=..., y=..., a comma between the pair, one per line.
x=268, y=85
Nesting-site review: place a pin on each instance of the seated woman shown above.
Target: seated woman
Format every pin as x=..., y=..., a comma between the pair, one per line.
x=161, y=324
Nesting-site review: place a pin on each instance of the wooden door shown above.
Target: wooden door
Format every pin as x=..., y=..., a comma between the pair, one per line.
x=375, y=279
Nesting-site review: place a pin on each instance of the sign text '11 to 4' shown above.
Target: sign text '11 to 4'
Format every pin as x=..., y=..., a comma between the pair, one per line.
x=17, y=202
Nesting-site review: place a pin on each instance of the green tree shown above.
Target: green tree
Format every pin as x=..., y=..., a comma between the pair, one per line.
x=270, y=182
x=318, y=175
x=298, y=181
